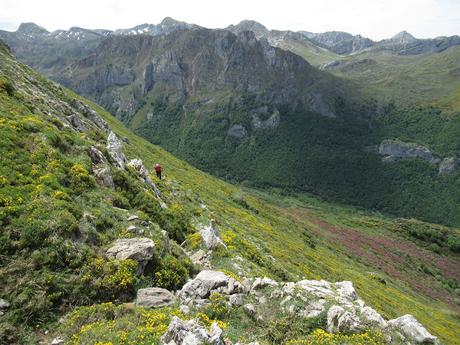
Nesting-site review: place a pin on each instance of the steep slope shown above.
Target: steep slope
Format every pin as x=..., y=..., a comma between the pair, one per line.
x=69, y=189
x=193, y=64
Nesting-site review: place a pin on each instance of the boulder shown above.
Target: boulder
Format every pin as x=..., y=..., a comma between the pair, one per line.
x=90, y=114
x=132, y=228
x=137, y=248
x=210, y=236
x=260, y=283
x=154, y=297
x=236, y=300
x=208, y=281
x=132, y=218
x=115, y=149
x=191, y=333
x=412, y=329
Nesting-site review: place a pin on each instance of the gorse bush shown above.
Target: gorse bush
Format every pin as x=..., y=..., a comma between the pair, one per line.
x=171, y=272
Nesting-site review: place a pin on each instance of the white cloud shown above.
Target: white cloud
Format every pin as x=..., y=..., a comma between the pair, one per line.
x=373, y=18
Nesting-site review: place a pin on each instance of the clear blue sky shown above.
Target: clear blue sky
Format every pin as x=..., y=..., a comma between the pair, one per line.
x=376, y=19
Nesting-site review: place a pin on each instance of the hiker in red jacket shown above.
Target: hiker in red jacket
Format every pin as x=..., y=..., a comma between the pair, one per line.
x=158, y=170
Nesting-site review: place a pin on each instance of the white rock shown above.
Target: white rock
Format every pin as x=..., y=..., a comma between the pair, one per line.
x=314, y=309
x=340, y=320
x=132, y=217
x=4, y=304
x=210, y=236
x=412, y=329
x=137, y=248
x=115, y=149
x=132, y=228
x=250, y=309
x=191, y=333
x=58, y=341
x=347, y=290
x=318, y=288
x=260, y=283
x=236, y=299
x=371, y=317
x=154, y=297
x=184, y=309
x=207, y=281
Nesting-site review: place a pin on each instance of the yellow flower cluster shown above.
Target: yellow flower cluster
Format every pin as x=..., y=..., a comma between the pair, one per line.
x=208, y=322
x=194, y=240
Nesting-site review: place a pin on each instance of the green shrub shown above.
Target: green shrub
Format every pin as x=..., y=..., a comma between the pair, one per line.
x=218, y=308
x=172, y=273
x=7, y=86
x=111, y=278
x=80, y=179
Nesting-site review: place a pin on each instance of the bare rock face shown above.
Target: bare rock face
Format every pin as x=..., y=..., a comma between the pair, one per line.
x=210, y=236
x=448, y=165
x=138, y=248
x=115, y=149
x=237, y=131
x=412, y=330
x=101, y=168
x=393, y=149
x=90, y=114
x=272, y=122
x=154, y=297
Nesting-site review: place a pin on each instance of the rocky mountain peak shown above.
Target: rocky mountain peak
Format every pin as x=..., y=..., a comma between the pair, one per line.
x=31, y=28
x=403, y=37
x=168, y=21
x=249, y=25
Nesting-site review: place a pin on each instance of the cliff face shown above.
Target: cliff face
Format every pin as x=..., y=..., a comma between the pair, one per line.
x=193, y=63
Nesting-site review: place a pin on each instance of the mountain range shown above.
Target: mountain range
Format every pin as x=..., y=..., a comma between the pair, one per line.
x=245, y=104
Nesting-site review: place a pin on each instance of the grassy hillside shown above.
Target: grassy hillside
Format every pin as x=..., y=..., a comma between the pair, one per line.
x=57, y=222
x=406, y=78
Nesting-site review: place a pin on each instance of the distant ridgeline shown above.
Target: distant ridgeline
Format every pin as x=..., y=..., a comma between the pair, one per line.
x=244, y=104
